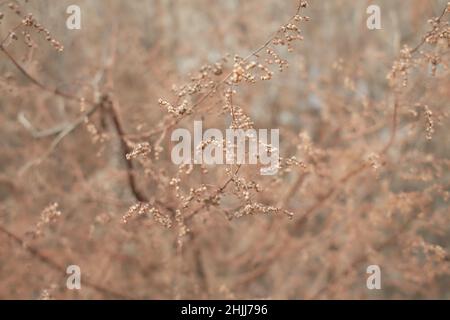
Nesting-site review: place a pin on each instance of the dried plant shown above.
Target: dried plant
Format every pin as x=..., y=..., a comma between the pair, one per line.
x=363, y=175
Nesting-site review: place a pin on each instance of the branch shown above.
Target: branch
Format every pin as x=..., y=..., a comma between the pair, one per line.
x=52, y=264
x=321, y=201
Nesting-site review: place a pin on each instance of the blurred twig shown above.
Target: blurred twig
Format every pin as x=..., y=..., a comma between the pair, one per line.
x=59, y=268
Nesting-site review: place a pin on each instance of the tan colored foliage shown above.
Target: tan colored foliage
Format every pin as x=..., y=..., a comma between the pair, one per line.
x=86, y=176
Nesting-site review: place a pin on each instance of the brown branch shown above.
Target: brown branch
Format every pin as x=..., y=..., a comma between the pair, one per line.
x=38, y=83
x=118, y=126
x=52, y=264
x=389, y=241
x=424, y=39
x=321, y=201
x=217, y=85
x=216, y=193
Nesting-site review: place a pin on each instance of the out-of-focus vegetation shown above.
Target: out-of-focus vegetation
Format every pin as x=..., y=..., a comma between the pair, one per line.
x=364, y=144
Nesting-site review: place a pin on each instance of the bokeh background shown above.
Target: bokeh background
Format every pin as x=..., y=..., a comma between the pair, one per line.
x=334, y=107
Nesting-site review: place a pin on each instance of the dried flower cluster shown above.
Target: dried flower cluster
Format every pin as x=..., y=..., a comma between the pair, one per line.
x=48, y=216
x=363, y=175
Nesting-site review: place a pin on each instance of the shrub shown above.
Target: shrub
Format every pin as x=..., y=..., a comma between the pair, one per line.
x=86, y=122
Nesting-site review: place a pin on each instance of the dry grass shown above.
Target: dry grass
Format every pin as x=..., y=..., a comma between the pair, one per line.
x=86, y=176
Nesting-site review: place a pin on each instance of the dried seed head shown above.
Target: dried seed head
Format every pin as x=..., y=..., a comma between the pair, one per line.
x=429, y=123
x=140, y=150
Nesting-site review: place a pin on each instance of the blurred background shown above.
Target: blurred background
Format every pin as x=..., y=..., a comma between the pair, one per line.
x=360, y=196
